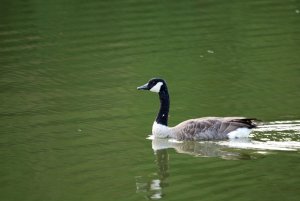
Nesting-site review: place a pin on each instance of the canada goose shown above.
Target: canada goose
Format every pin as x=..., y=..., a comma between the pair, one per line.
x=207, y=128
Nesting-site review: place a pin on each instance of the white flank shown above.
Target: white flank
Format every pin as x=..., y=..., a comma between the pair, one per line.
x=157, y=87
x=239, y=133
x=161, y=131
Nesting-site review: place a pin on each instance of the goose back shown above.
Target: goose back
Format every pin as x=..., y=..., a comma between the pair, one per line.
x=211, y=128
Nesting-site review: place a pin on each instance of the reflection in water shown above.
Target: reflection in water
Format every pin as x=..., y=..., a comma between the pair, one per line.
x=153, y=186
x=206, y=148
x=268, y=137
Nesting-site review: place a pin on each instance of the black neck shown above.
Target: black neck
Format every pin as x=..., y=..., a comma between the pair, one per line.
x=162, y=116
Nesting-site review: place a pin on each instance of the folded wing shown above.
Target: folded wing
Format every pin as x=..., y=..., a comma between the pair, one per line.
x=212, y=128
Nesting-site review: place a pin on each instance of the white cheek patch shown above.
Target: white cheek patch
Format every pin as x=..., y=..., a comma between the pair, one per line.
x=156, y=88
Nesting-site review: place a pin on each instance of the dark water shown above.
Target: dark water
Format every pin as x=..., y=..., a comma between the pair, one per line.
x=73, y=126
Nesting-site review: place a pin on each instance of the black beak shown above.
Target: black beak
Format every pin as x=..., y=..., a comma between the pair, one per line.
x=144, y=87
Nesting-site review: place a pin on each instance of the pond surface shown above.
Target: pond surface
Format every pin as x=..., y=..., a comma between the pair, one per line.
x=74, y=127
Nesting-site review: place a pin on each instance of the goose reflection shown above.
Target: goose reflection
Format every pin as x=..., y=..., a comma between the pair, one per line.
x=204, y=148
x=153, y=185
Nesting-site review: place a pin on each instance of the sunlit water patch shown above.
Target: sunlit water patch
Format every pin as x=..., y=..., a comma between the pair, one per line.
x=278, y=131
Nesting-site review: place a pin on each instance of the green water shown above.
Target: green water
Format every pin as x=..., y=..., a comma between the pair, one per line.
x=74, y=127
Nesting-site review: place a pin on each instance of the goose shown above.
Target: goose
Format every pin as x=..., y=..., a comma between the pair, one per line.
x=205, y=128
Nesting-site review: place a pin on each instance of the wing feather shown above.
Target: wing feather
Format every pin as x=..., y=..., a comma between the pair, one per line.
x=211, y=128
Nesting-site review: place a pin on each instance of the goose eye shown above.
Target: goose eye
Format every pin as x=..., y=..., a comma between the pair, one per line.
x=152, y=83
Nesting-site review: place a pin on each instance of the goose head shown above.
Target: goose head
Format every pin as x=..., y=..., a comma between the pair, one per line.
x=154, y=85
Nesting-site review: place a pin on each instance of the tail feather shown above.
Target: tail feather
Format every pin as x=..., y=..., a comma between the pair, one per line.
x=248, y=122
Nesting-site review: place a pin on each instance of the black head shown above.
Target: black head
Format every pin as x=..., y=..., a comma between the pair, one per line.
x=155, y=85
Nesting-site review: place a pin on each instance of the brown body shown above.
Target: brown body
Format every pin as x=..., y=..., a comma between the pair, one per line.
x=210, y=128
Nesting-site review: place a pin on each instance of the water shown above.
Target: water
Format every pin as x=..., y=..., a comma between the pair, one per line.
x=74, y=127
